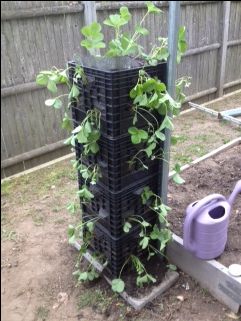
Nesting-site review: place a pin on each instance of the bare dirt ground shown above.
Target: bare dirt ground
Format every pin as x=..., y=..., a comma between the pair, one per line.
x=37, y=262
x=218, y=174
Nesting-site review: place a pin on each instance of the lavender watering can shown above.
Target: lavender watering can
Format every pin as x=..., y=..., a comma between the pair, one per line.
x=206, y=224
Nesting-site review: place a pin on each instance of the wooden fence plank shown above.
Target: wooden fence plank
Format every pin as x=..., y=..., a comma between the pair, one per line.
x=226, y=15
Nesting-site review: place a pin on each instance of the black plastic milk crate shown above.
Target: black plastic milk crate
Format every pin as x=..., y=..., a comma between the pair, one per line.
x=115, y=207
x=116, y=126
x=115, y=250
x=113, y=160
x=114, y=225
x=109, y=90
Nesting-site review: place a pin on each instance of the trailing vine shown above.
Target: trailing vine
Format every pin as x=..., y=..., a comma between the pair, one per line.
x=151, y=103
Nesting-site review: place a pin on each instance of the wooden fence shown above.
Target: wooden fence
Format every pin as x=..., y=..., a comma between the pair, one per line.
x=37, y=35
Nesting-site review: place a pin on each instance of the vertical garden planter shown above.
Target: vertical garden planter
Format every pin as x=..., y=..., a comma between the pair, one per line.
x=117, y=193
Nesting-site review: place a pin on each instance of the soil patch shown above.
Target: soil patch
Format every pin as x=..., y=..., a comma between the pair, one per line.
x=215, y=175
x=156, y=267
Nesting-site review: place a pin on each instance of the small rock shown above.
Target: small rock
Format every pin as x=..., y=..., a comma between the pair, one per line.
x=15, y=264
x=45, y=196
x=55, y=306
x=186, y=286
x=62, y=297
x=9, y=265
x=53, y=187
x=180, y=298
x=232, y=315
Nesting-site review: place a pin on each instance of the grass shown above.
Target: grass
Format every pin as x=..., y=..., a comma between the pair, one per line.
x=94, y=297
x=38, y=219
x=8, y=235
x=6, y=188
x=41, y=314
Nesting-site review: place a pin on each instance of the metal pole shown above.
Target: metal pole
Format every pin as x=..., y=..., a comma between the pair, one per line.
x=173, y=25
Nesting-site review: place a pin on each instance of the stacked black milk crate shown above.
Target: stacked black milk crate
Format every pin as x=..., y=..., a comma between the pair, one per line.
x=117, y=193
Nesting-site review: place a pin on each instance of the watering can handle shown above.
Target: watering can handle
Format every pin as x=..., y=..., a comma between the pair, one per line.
x=188, y=243
x=236, y=191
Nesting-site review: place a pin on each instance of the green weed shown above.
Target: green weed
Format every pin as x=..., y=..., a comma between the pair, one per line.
x=41, y=314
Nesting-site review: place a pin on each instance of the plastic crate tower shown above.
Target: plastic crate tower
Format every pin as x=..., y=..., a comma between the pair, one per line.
x=117, y=193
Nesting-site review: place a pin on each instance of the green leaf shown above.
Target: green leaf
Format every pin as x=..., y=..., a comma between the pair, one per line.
x=83, y=276
x=93, y=37
x=137, y=135
x=160, y=135
x=90, y=226
x=155, y=234
x=117, y=285
x=172, y=267
x=87, y=127
x=71, y=230
x=125, y=13
x=167, y=123
x=71, y=207
x=177, y=168
x=42, y=79
x=74, y=92
x=141, y=30
x=70, y=140
x=66, y=123
x=178, y=179
x=71, y=234
x=141, y=280
x=151, y=8
x=144, y=242
x=94, y=147
x=57, y=104
x=52, y=86
x=145, y=223
x=90, y=30
x=94, y=135
x=92, y=275
x=146, y=278
x=81, y=137
x=146, y=194
x=85, y=194
x=150, y=149
x=127, y=226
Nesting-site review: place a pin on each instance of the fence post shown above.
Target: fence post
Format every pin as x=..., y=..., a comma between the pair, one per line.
x=173, y=25
x=90, y=16
x=224, y=45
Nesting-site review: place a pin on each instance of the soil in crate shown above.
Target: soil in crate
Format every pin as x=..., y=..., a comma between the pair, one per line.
x=156, y=267
x=218, y=174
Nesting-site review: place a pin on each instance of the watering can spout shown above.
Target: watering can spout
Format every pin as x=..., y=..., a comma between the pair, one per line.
x=236, y=191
